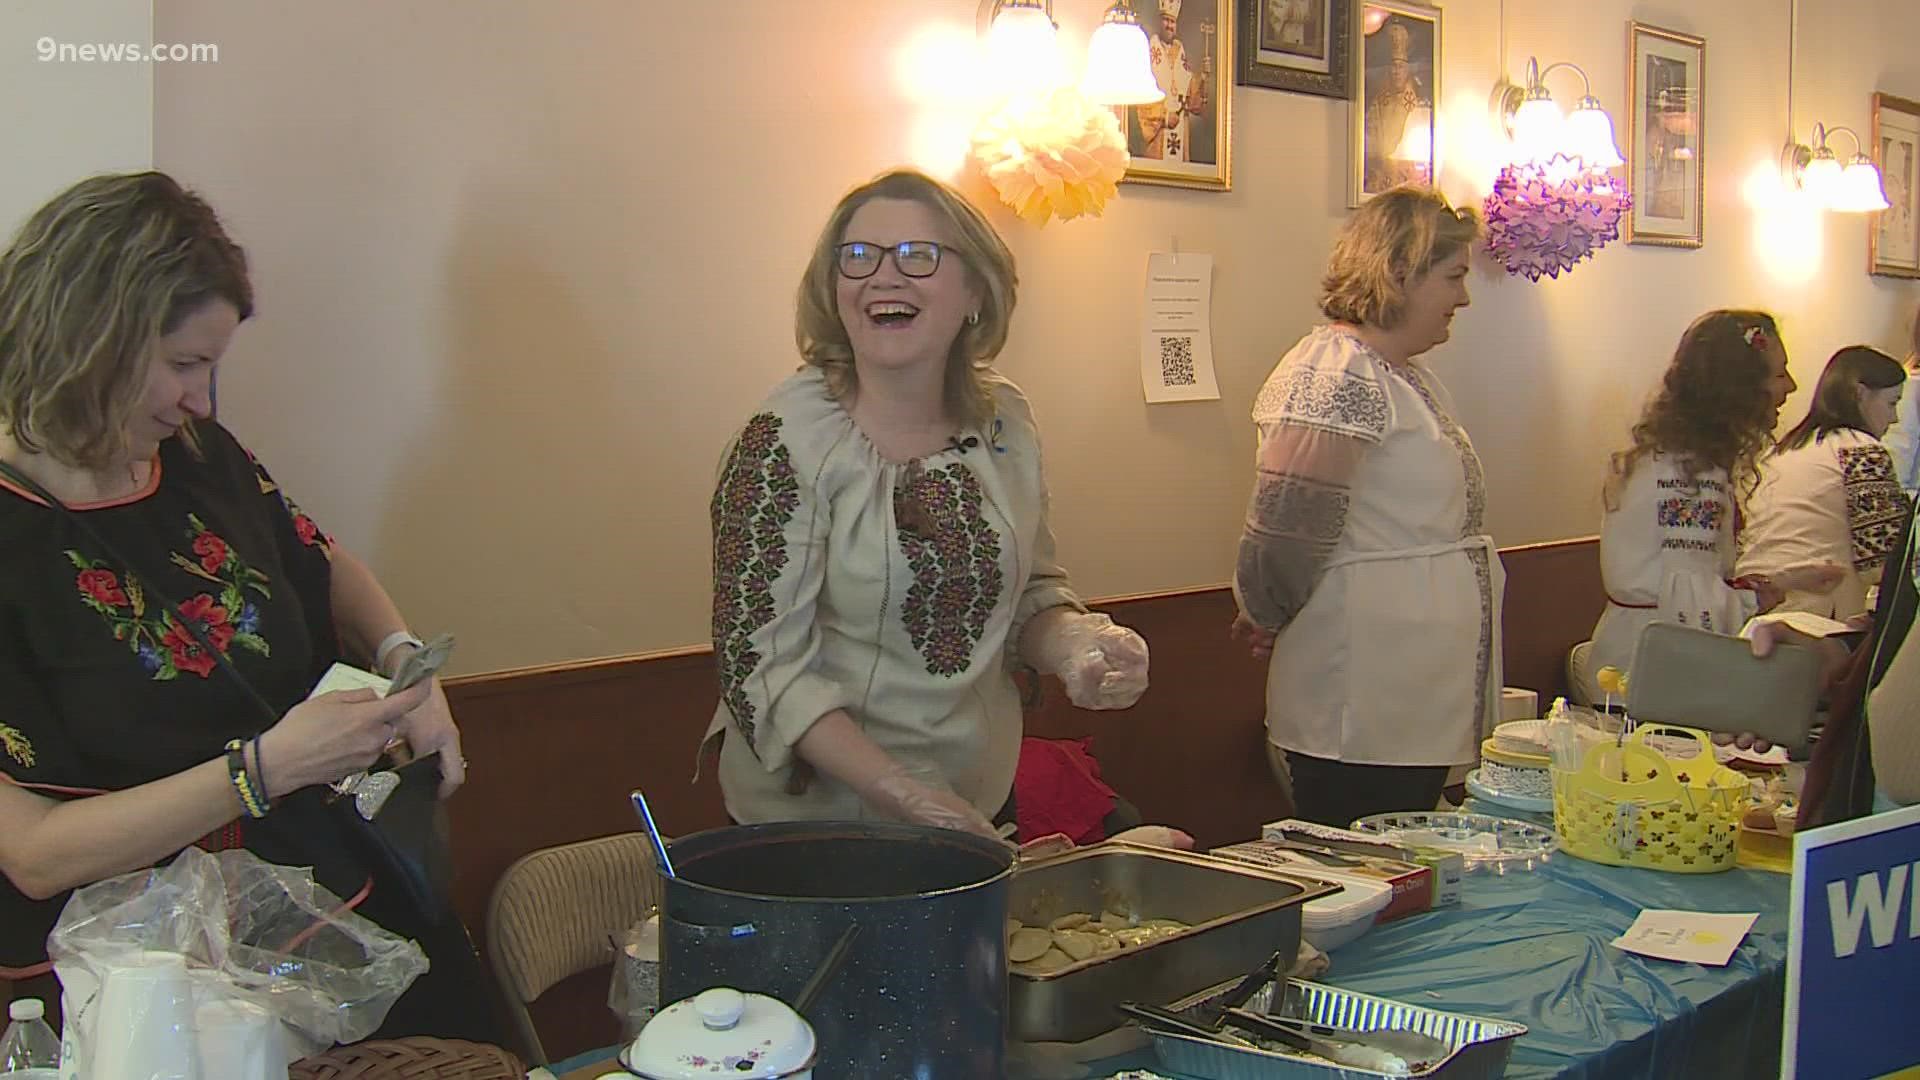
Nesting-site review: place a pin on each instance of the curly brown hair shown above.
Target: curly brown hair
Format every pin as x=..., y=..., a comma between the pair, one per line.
x=1713, y=409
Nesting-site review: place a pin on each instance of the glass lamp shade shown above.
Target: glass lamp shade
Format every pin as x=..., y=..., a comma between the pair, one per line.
x=1537, y=127
x=1119, y=69
x=1589, y=136
x=1821, y=178
x=1022, y=49
x=1859, y=191
x=1416, y=142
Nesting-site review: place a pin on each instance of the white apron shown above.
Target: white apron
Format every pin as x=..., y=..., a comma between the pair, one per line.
x=1400, y=680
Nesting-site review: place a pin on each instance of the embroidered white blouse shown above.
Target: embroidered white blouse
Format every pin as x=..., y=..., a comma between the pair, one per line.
x=1834, y=500
x=1365, y=546
x=894, y=591
x=1666, y=554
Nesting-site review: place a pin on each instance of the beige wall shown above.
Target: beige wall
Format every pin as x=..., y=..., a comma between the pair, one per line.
x=69, y=119
x=523, y=266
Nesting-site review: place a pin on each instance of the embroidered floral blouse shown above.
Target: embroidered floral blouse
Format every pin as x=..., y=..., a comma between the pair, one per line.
x=894, y=591
x=1833, y=500
x=1666, y=555
x=102, y=688
x=1365, y=549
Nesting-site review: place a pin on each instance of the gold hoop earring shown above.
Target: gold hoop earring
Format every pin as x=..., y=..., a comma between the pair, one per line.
x=973, y=318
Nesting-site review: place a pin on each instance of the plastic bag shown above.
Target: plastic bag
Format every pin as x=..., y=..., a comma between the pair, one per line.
x=634, y=992
x=248, y=931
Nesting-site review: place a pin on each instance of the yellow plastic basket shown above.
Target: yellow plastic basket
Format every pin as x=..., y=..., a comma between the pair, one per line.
x=1631, y=805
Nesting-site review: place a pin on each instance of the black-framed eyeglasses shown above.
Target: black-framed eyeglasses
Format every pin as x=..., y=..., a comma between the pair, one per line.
x=914, y=258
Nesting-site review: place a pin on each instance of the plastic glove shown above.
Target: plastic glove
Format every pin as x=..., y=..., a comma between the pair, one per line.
x=898, y=795
x=1102, y=664
x=1156, y=836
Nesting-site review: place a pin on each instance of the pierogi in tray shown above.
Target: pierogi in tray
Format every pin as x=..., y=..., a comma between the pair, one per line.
x=1080, y=935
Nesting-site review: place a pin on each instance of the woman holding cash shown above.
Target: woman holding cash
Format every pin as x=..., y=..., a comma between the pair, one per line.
x=158, y=586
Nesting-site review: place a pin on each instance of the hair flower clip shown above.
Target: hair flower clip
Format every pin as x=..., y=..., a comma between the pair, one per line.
x=1756, y=337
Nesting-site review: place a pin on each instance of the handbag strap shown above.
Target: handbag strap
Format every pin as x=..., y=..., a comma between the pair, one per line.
x=179, y=615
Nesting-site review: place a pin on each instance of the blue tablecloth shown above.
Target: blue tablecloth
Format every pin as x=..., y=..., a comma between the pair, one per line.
x=1532, y=947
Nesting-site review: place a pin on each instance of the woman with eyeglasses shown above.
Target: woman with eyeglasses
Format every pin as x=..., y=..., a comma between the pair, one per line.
x=882, y=560
x=1365, y=570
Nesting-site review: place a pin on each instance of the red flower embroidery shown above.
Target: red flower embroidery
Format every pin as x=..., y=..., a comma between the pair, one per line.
x=309, y=532
x=212, y=619
x=186, y=652
x=101, y=585
x=212, y=551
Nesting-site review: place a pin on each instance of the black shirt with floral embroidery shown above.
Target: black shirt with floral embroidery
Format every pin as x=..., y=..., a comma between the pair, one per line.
x=102, y=688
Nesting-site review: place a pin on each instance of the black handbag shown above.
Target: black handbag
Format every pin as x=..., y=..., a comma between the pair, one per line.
x=402, y=839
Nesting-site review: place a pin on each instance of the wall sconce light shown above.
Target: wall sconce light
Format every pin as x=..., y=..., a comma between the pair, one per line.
x=1541, y=132
x=1813, y=169
x=1024, y=54
x=1555, y=203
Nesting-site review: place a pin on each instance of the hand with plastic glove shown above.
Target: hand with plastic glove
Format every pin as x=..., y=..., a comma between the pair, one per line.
x=895, y=793
x=1102, y=664
x=1156, y=836
x=836, y=746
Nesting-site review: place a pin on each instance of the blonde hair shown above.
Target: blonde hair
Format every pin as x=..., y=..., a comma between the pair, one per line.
x=91, y=281
x=982, y=254
x=1386, y=246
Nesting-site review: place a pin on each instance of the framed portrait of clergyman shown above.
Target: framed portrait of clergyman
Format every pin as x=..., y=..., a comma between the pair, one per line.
x=1397, y=82
x=1184, y=140
x=1893, y=234
x=1666, y=137
x=1299, y=45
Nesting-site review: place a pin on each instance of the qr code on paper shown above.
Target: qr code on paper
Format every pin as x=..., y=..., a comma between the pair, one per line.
x=1176, y=361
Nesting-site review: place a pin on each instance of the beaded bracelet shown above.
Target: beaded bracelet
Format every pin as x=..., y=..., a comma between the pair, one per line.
x=260, y=774
x=242, y=783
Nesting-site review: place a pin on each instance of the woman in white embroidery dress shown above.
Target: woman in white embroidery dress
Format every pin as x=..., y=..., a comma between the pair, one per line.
x=882, y=560
x=1667, y=540
x=1365, y=566
x=1827, y=492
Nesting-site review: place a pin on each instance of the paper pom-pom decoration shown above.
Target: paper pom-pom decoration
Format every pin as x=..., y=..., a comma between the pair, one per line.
x=1057, y=155
x=1542, y=220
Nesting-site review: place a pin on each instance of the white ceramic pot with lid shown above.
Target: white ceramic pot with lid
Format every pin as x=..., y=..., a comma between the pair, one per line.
x=723, y=1032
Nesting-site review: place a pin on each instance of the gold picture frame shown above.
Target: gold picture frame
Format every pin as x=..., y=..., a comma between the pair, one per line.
x=1196, y=149
x=1666, y=137
x=1893, y=234
x=1396, y=73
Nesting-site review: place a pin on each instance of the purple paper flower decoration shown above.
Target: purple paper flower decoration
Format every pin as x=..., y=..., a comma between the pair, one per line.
x=1544, y=219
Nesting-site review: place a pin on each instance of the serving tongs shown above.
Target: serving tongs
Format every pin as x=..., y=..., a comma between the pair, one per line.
x=1211, y=1022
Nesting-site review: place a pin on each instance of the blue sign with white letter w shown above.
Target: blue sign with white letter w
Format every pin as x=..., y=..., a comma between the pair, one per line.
x=1853, y=979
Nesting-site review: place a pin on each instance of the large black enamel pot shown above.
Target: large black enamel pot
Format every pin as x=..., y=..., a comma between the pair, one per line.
x=923, y=989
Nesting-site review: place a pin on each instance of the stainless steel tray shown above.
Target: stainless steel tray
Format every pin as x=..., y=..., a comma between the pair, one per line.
x=1481, y=1047
x=1239, y=914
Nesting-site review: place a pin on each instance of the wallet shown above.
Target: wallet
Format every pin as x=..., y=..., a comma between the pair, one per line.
x=1700, y=679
